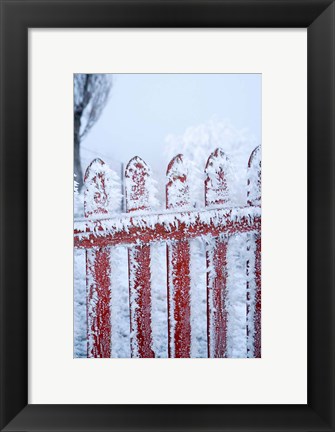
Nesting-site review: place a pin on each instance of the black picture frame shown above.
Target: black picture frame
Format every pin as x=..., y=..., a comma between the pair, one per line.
x=17, y=16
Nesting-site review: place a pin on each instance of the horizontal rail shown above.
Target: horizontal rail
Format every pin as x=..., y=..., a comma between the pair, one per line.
x=137, y=229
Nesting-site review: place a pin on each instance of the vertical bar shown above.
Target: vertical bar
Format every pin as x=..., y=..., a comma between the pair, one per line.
x=254, y=303
x=137, y=179
x=216, y=299
x=98, y=303
x=217, y=193
x=140, y=301
x=178, y=265
x=99, y=184
x=258, y=299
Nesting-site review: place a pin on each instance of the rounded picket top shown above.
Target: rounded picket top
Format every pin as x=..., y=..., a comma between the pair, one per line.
x=138, y=185
x=217, y=160
x=136, y=165
x=95, y=191
x=102, y=189
x=94, y=167
x=217, y=172
x=254, y=177
x=255, y=157
x=176, y=168
x=177, y=187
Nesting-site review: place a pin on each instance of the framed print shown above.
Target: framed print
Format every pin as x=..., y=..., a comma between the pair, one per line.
x=109, y=331
x=167, y=267
x=202, y=311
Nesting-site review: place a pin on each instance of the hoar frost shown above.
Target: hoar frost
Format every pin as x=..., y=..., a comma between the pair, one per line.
x=231, y=188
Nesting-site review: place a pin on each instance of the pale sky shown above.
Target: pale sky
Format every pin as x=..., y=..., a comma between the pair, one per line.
x=144, y=108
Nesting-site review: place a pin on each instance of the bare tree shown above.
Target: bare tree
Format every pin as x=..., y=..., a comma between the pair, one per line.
x=91, y=93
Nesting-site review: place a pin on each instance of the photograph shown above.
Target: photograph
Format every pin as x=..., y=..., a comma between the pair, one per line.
x=142, y=244
x=167, y=215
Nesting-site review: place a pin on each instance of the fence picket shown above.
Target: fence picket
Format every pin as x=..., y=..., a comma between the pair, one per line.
x=217, y=193
x=137, y=177
x=96, y=202
x=254, y=302
x=178, y=266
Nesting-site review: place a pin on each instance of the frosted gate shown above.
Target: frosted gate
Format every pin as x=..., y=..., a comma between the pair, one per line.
x=139, y=228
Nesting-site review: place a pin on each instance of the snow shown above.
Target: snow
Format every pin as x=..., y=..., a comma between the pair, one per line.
x=159, y=300
x=80, y=321
x=168, y=220
x=78, y=200
x=218, y=179
x=236, y=297
x=102, y=205
x=236, y=302
x=133, y=298
x=102, y=189
x=140, y=186
x=177, y=189
x=92, y=300
x=120, y=317
x=196, y=144
x=251, y=291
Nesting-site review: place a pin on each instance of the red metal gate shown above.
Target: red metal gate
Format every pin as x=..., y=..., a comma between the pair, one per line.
x=177, y=225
